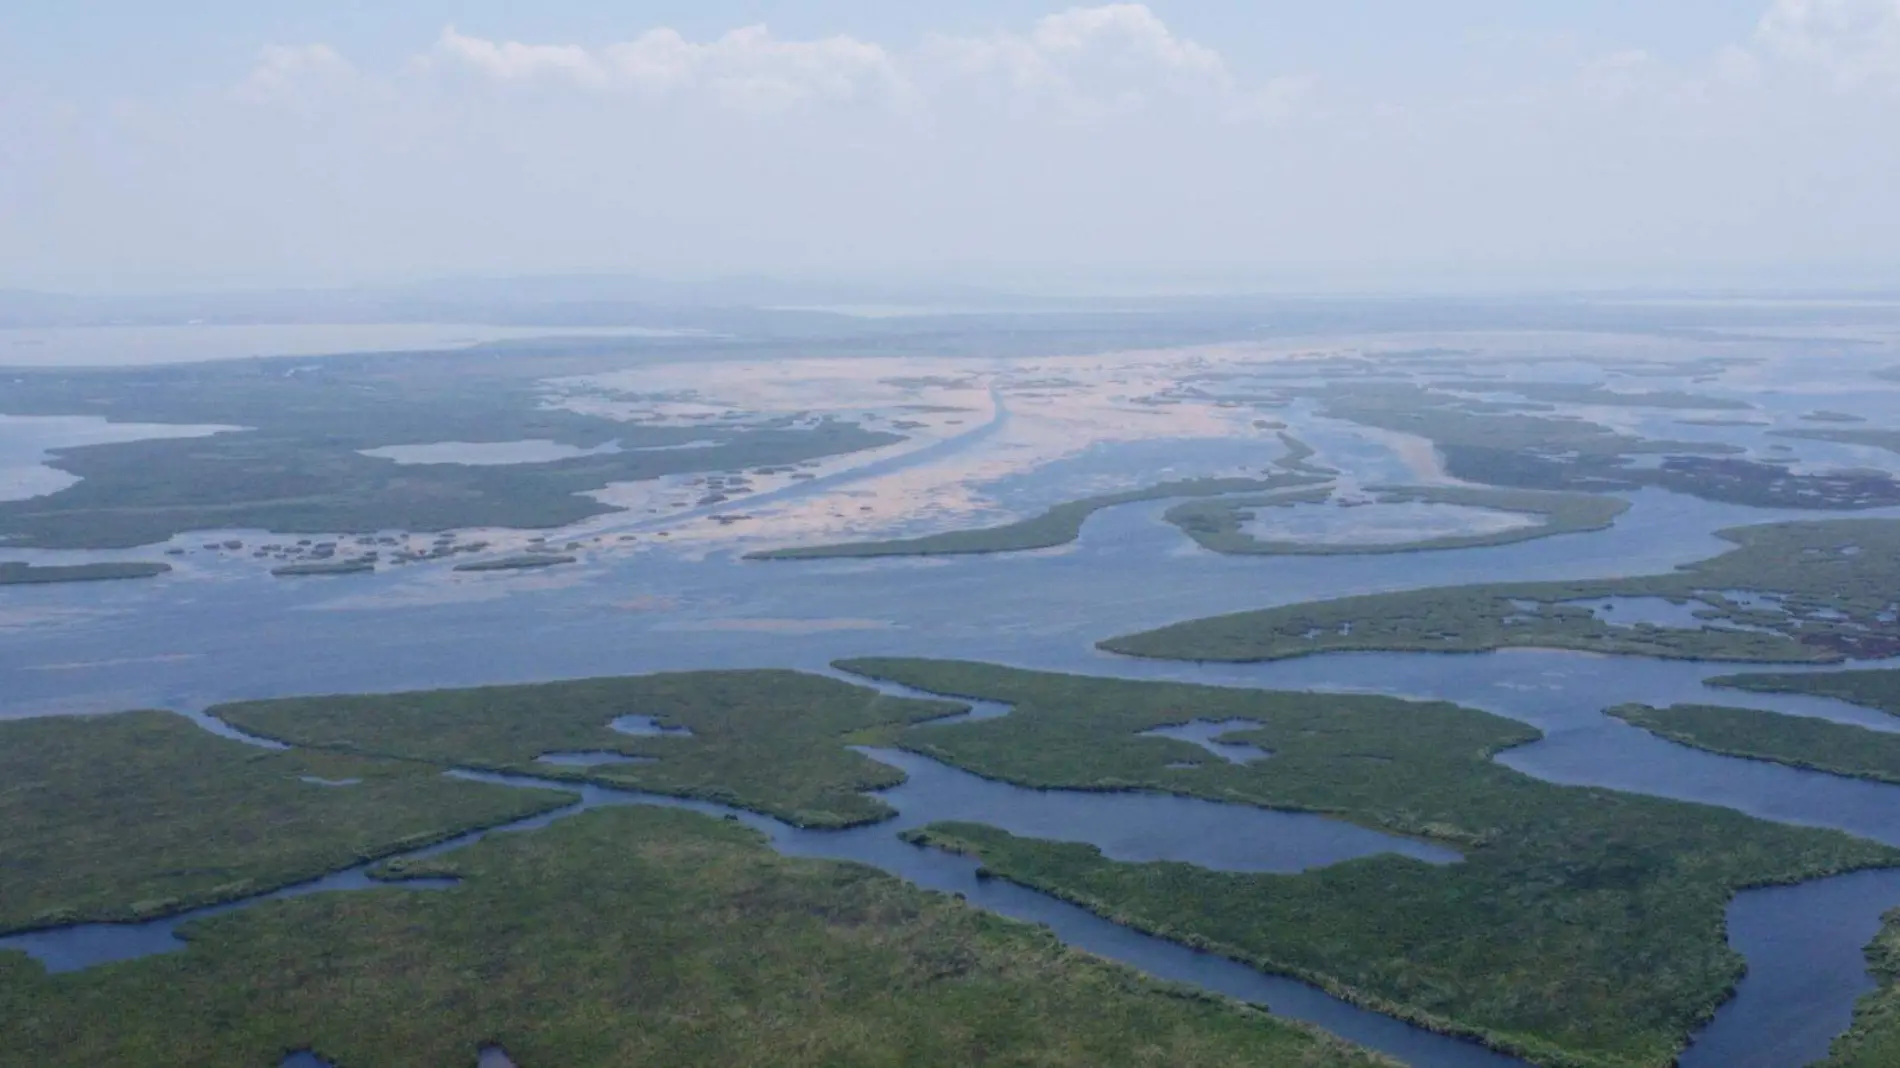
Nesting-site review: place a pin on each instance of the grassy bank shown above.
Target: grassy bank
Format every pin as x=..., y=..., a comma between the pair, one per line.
x=1799, y=741
x=1878, y=688
x=771, y=741
x=142, y=814
x=634, y=936
x=1874, y=1039
x=1585, y=927
x=1829, y=587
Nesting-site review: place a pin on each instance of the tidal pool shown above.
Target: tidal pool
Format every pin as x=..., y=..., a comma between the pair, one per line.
x=647, y=727
x=1208, y=735
x=1378, y=523
x=1632, y=612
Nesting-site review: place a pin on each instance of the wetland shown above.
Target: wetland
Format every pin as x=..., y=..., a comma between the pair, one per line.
x=1420, y=855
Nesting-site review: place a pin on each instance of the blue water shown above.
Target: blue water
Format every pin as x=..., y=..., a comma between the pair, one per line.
x=647, y=727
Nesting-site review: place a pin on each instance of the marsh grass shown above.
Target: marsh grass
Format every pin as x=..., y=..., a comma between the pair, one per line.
x=1584, y=927
x=1874, y=1039
x=771, y=741
x=142, y=814
x=636, y=936
x=1797, y=741
x=1837, y=581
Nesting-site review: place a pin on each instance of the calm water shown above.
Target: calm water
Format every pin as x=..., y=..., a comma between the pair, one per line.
x=27, y=442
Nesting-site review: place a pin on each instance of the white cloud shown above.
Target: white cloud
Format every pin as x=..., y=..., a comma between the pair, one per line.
x=1086, y=59
x=283, y=69
x=1090, y=58
x=1852, y=41
x=512, y=61
x=747, y=68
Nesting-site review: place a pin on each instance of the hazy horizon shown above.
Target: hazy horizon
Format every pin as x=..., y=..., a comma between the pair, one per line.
x=1008, y=146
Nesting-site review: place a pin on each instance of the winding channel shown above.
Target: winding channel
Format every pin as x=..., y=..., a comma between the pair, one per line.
x=1803, y=942
x=191, y=645
x=1129, y=827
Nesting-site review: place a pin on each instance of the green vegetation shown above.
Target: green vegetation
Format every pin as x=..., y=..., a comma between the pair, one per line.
x=142, y=814
x=1831, y=583
x=1874, y=1040
x=524, y=562
x=13, y=573
x=771, y=741
x=1799, y=741
x=1879, y=688
x=635, y=936
x=1871, y=437
x=1057, y=526
x=1597, y=396
x=1503, y=444
x=1585, y=927
x=299, y=467
x=1298, y=459
x=1475, y=429
x=1218, y=524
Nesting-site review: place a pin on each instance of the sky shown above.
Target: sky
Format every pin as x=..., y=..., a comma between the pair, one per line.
x=1192, y=145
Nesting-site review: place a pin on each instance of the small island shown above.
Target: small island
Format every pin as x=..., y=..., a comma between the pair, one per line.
x=1059, y=525
x=1219, y=523
x=14, y=573
x=523, y=562
x=1814, y=592
x=1753, y=734
x=325, y=567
